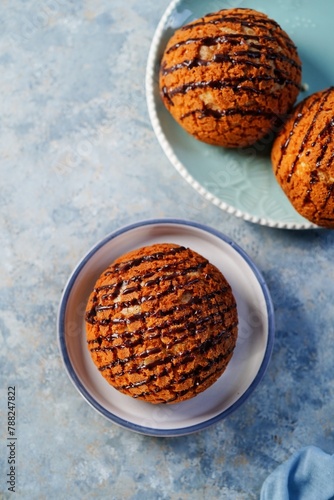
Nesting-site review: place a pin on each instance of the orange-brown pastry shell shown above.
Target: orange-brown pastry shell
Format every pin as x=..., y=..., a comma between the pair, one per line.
x=161, y=323
x=303, y=158
x=226, y=78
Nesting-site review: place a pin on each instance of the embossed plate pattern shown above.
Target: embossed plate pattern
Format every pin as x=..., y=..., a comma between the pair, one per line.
x=242, y=183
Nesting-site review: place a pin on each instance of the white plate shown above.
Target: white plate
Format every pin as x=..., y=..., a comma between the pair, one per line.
x=244, y=372
x=241, y=182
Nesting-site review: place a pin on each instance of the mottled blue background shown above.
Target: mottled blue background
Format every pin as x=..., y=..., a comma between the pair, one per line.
x=79, y=159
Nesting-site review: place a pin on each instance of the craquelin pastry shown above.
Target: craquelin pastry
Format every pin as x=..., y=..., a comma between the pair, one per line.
x=303, y=158
x=161, y=323
x=228, y=77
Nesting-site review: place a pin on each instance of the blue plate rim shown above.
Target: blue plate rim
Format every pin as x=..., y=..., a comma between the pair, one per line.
x=90, y=399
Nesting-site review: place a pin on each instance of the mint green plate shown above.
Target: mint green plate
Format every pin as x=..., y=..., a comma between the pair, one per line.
x=242, y=182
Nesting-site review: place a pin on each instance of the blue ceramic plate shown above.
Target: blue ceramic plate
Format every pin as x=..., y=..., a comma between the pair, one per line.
x=249, y=361
x=242, y=183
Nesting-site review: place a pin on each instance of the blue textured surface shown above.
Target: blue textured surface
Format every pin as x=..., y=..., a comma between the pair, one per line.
x=79, y=159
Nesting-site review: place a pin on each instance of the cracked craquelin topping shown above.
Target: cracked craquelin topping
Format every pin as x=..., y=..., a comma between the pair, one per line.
x=303, y=158
x=230, y=76
x=161, y=323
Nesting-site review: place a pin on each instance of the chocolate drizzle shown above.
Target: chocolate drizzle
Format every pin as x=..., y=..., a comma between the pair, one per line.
x=117, y=287
x=307, y=135
x=236, y=84
x=232, y=38
x=219, y=113
x=248, y=21
x=319, y=103
x=125, y=266
x=268, y=49
x=235, y=57
x=196, y=372
x=304, y=157
x=187, y=327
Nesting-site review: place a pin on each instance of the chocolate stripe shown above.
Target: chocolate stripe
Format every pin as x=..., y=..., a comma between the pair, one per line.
x=261, y=51
x=193, y=373
x=310, y=129
x=298, y=117
x=232, y=83
x=217, y=113
x=232, y=38
x=250, y=21
x=177, y=361
x=92, y=313
x=155, y=332
x=159, y=295
x=125, y=266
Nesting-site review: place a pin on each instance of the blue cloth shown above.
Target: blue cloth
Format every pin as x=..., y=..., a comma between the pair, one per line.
x=307, y=475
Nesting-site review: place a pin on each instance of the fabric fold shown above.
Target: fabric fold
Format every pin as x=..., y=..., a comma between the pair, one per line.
x=307, y=475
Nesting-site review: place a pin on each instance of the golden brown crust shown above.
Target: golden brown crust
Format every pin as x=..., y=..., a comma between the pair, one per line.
x=228, y=76
x=161, y=323
x=303, y=158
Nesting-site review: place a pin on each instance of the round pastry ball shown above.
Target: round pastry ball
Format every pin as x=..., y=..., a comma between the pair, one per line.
x=228, y=77
x=303, y=158
x=161, y=323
